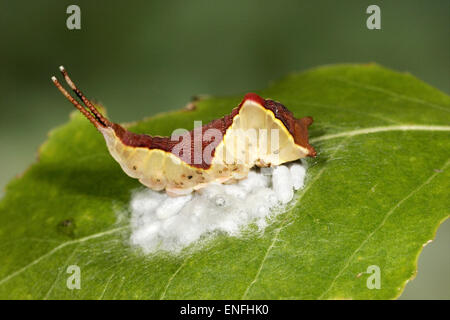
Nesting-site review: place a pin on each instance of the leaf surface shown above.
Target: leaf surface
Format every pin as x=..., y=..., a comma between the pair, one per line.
x=375, y=194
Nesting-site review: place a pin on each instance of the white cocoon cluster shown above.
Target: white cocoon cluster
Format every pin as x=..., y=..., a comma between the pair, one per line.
x=161, y=222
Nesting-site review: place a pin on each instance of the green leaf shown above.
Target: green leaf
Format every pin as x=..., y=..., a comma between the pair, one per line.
x=375, y=194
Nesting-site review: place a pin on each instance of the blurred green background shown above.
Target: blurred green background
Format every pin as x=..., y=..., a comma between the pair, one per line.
x=143, y=57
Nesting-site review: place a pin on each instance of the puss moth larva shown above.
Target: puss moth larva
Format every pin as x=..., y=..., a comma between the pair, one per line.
x=222, y=151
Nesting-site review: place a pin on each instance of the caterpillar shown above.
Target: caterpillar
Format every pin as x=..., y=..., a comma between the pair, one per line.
x=258, y=131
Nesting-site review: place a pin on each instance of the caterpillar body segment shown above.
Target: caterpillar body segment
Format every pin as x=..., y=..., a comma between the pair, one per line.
x=258, y=132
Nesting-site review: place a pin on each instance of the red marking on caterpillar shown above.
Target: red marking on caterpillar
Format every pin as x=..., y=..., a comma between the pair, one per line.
x=259, y=132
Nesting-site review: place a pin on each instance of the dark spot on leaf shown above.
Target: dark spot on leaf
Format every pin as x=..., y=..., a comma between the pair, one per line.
x=66, y=223
x=67, y=227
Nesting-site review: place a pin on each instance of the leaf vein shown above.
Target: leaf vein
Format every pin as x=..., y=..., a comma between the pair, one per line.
x=278, y=230
x=380, y=129
x=163, y=294
x=387, y=215
x=59, y=273
x=336, y=107
x=391, y=93
x=57, y=248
